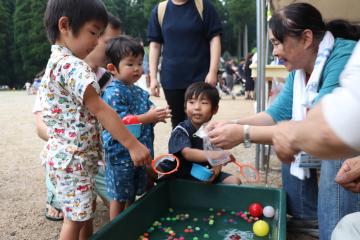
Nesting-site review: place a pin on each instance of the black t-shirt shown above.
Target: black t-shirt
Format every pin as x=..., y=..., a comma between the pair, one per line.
x=185, y=38
x=181, y=137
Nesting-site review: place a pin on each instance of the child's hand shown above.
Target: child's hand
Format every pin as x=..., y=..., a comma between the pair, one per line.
x=158, y=114
x=139, y=154
x=216, y=171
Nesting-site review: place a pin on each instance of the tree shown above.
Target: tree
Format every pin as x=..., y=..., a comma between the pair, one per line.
x=241, y=13
x=22, y=23
x=31, y=46
x=6, y=42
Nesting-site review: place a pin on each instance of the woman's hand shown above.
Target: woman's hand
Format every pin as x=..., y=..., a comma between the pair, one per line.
x=283, y=141
x=349, y=174
x=154, y=87
x=226, y=136
x=211, y=78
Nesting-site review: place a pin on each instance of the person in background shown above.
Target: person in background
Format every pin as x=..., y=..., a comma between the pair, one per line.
x=230, y=74
x=190, y=39
x=249, y=81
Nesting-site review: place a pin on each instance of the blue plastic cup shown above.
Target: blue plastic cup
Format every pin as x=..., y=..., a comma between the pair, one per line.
x=135, y=129
x=200, y=172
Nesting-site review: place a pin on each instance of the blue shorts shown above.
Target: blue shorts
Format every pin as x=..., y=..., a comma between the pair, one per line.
x=124, y=181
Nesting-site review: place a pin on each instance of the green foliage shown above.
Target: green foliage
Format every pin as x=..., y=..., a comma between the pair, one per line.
x=31, y=49
x=6, y=71
x=24, y=49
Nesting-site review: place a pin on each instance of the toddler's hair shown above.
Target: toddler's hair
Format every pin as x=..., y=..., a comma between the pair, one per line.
x=78, y=12
x=203, y=89
x=122, y=46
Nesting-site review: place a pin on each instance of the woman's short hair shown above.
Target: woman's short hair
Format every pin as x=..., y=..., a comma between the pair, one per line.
x=294, y=18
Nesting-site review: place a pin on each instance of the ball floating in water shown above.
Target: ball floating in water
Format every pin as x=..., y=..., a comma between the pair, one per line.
x=261, y=228
x=255, y=209
x=269, y=211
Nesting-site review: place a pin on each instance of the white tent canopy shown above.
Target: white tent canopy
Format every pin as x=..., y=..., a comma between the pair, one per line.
x=330, y=9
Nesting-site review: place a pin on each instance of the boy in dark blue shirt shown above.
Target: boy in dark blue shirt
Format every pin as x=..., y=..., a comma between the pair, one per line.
x=201, y=103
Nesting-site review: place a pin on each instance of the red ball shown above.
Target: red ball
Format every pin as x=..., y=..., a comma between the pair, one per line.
x=255, y=209
x=130, y=119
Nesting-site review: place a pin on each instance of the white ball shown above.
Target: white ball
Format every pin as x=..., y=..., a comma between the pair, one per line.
x=269, y=211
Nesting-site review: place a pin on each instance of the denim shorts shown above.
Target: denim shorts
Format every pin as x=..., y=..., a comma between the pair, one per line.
x=124, y=181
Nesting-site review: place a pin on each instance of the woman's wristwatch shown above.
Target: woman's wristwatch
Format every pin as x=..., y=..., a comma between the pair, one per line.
x=247, y=141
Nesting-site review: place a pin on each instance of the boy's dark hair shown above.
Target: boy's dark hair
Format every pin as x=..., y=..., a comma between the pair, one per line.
x=120, y=47
x=203, y=89
x=114, y=21
x=78, y=11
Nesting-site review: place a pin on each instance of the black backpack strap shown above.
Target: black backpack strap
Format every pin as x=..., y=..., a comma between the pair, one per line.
x=104, y=79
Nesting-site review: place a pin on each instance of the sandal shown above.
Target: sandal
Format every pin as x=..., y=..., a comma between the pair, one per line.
x=53, y=218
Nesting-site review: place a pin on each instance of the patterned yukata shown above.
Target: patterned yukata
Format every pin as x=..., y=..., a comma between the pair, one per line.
x=74, y=147
x=124, y=181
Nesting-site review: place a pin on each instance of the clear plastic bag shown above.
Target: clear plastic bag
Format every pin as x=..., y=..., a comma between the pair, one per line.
x=215, y=155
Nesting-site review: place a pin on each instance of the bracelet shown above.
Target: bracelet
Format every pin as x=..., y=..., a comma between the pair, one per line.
x=247, y=140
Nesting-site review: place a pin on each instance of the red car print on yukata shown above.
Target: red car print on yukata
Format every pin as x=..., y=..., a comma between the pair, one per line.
x=78, y=167
x=66, y=66
x=56, y=110
x=59, y=131
x=68, y=209
x=72, y=134
x=83, y=188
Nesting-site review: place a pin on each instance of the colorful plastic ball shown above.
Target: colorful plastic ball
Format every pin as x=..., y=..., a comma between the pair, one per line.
x=256, y=210
x=130, y=119
x=261, y=228
x=269, y=211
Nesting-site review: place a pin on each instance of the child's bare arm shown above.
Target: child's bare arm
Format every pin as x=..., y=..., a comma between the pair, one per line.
x=193, y=154
x=155, y=115
x=111, y=121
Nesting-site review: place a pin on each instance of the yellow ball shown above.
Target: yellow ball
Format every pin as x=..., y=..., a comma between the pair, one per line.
x=261, y=228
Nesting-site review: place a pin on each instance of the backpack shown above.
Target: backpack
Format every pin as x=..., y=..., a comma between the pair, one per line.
x=104, y=79
x=162, y=7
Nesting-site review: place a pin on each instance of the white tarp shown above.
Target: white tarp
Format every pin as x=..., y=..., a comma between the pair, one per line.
x=330, y=9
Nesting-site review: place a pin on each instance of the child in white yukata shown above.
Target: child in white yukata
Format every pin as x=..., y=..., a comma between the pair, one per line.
x=71, y=107
x=124, y=180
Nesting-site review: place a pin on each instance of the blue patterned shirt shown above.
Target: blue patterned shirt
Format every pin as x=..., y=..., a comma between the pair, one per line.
x=127, y=100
